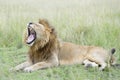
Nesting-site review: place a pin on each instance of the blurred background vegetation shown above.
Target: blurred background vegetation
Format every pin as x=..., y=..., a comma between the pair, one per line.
x=84, y=22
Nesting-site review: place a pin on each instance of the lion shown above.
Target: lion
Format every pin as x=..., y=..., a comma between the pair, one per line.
x=46, y=50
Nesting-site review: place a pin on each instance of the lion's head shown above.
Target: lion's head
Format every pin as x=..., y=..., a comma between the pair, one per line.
x=39, y=33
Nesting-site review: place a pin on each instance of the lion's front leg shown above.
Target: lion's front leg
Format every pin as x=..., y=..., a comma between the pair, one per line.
x=22, y=66
x=40, y=65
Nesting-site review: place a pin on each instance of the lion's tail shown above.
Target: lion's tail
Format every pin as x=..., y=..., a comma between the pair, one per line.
x=111, y=60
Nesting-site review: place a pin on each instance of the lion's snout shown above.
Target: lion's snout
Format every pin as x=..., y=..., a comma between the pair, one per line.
x=30, y=23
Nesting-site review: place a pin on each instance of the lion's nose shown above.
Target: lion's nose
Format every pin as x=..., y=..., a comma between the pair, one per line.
x=29, y=24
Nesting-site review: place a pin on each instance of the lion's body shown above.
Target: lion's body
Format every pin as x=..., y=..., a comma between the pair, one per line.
x=77, y=54
x=47, y=51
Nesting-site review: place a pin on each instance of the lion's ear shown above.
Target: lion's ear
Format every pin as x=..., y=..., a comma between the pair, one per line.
x=53, y=29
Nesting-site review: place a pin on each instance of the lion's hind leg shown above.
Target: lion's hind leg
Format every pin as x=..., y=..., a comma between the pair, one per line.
x=88, y=63
x=99, y=62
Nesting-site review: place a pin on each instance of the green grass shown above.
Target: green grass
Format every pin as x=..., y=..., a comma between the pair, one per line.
x=84, y=22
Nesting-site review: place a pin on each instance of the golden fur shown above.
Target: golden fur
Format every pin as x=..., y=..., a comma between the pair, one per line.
x=47, y=51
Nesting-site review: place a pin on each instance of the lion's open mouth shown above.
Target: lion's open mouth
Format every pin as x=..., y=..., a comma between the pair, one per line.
x=31, y=35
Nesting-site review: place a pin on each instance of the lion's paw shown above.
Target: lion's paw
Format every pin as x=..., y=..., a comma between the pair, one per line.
x=28, y=69
x=15, y=69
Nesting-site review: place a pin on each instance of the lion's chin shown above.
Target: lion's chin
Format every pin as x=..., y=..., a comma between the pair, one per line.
x=31, y=44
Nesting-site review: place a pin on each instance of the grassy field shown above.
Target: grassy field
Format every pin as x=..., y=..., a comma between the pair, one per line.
x=84, y=22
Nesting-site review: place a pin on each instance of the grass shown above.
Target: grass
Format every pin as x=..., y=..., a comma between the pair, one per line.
x=84, y=22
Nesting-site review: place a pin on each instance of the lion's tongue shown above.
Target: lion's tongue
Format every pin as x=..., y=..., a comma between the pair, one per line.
x=30, y=38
